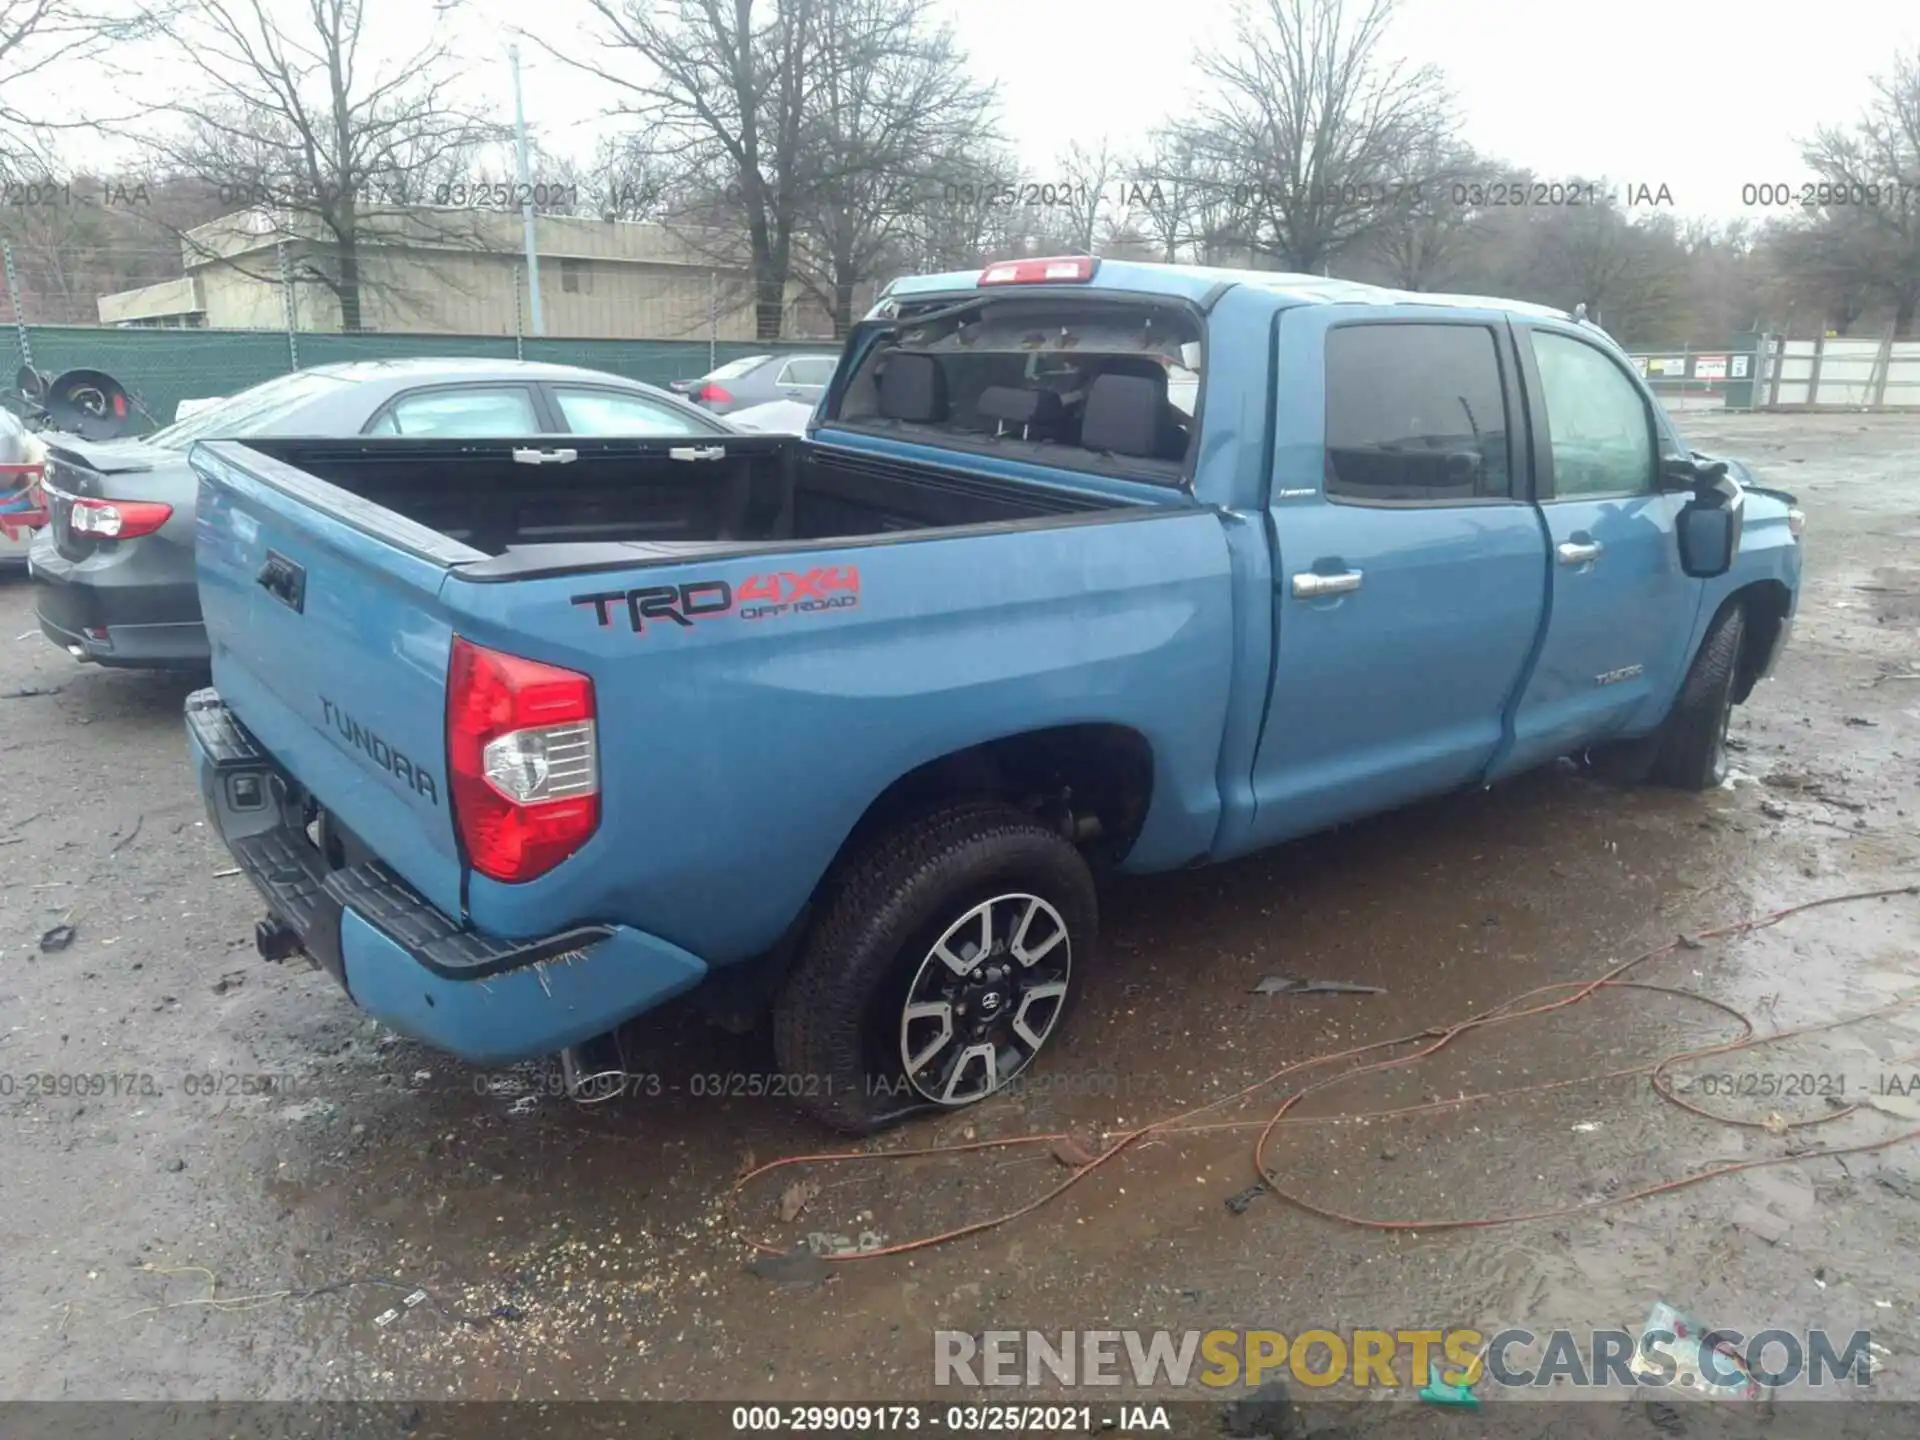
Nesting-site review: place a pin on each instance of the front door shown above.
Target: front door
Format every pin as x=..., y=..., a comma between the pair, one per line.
x=1622, y=608
x=1409, y=562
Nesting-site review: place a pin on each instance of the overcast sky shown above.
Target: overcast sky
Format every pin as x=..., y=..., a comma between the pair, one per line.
x=1699, y=97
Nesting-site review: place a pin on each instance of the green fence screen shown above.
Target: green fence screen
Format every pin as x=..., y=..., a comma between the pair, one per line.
x=160, y=368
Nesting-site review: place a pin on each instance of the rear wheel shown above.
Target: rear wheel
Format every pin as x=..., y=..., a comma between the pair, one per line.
x=947, y=957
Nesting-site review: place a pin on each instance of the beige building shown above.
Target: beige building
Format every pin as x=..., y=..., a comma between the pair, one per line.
x=463, y=272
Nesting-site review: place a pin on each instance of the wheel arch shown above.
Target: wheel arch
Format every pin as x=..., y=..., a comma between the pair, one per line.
x=1074, y=773
x=1099, y=772
x=1767, y=604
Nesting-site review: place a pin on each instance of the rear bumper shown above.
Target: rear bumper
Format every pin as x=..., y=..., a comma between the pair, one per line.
x=486, y=1000
x=117, y=616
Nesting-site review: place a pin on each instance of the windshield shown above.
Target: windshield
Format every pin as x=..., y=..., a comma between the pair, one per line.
x=249, y=410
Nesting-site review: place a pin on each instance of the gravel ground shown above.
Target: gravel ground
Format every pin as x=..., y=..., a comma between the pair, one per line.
x=194, y=1232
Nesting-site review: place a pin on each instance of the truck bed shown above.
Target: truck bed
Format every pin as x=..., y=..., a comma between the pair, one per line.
x=757, y=490
x=871, y=609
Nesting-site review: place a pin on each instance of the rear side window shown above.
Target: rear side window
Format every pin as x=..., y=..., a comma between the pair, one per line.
x=807, y=372
x=475, y=412
x=1415, y=413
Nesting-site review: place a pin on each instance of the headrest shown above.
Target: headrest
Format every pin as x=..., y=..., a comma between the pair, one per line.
x=1144, y=366
x=1012, y=405
x=913, y=387
x=1123, y=415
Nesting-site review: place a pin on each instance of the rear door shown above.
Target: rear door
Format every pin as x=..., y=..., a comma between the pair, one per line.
x=1409, y=560
x=330, y=643
x=1622, y=608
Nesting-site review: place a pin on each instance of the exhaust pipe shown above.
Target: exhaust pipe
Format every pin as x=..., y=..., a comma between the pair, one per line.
x=594, y=1070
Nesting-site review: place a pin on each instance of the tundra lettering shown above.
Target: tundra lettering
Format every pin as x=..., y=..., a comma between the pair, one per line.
x=414, y=777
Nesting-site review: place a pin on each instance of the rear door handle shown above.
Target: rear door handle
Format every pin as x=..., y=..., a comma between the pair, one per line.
x=1572, y=554
x=697, y=452
x=1310, y=585
x=545, y=457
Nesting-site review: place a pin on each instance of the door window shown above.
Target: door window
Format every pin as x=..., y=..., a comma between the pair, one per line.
x=1415, y=413
x=1600, y=428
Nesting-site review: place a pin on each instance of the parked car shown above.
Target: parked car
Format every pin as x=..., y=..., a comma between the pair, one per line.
x=22, y=504
x=841, y=726
x=758, y=379
x=115, y=565
x=776, y=417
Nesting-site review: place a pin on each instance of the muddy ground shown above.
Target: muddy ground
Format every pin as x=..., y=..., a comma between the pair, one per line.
x=164, y=1243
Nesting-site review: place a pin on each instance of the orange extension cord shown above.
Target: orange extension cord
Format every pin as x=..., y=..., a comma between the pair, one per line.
x=1428, y=1042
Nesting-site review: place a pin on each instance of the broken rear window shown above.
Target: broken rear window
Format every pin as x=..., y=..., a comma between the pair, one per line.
x=1085, y=384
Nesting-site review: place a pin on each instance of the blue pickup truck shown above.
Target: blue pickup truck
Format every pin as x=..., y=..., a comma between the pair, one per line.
x=1082, y=566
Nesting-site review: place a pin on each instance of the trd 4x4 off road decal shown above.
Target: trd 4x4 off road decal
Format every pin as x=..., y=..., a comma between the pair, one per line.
x=759, y=597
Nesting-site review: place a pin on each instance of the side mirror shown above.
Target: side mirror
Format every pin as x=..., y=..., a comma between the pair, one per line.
x=1683, y=472
x=1708, y=528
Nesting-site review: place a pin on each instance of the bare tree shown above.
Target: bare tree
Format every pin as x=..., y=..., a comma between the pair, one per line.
x=1317, y=123
x=1723, y=281
x=729, y=84
x=1825, y=266
x=1181, y=196
x=1088, y=176
x=631, y=177
x=1627, y=274
x=1426, y=230
x=323, y=147
x=894, y=113
x=1867, y=216
x=102, y=233
x=959, y=219
x=39, y=39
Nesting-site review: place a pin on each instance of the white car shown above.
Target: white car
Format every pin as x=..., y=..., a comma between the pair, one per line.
x=776, y=417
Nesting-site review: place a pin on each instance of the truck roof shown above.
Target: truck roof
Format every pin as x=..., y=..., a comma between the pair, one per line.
x=1195, y=282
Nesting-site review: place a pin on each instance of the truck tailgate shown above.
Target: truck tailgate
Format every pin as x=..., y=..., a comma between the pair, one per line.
x=330, y=644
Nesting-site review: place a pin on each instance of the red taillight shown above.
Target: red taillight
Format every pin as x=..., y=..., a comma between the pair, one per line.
x=713, y=395
x=118, y=519
x=1056, y=270
x=523, y=761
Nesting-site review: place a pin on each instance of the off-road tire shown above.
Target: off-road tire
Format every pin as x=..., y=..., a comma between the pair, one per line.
x=1693, y=739
x=870, y=940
